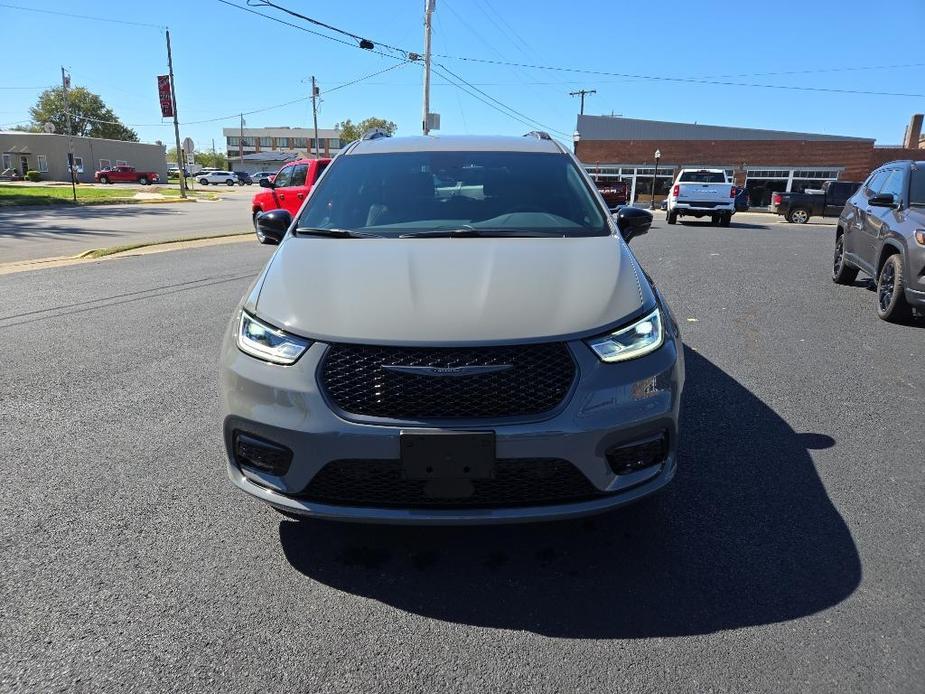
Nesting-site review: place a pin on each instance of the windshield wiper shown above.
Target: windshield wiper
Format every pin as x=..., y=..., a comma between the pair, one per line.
x=338, y=233
x=469, y=232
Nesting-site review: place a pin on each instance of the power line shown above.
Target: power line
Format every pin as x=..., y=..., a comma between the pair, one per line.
x=816, y=71
x=295, y=101
x=83, y=16
x=683, y=80
x=364, y=42
x=365, y=77
x=405, y=54
x=501, y=107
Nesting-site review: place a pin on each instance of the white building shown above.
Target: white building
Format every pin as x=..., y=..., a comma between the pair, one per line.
x=281, y=139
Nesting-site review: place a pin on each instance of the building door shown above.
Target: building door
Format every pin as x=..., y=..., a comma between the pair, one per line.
x=23, y=165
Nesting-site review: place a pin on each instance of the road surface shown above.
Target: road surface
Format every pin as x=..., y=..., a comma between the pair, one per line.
x=786, y=556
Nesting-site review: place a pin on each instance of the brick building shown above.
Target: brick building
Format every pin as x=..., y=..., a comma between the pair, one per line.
x=764, y=161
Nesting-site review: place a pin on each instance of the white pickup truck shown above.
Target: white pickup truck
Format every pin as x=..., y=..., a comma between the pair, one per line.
x=702, y=193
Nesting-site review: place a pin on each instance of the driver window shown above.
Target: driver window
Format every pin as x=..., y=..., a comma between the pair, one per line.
x=298, y=174
x=874, y=183
x=893, y=184
x=283, y=177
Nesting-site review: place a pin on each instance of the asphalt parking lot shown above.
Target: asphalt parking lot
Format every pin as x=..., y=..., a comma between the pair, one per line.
x=787, y=554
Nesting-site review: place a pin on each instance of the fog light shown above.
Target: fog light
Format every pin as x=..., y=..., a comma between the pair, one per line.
x=638, y=455
x=261, y=455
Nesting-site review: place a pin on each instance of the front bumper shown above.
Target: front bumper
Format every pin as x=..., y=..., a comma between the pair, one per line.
x=611, y=404
x=915, y=275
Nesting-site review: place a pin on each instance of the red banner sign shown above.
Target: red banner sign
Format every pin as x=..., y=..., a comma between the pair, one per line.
x=163, y=92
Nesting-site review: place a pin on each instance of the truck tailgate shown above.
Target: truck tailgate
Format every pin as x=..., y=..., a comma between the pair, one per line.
x=691, y=193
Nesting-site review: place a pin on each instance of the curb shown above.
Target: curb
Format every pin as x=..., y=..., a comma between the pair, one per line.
x=139, y=249
x=68, y=204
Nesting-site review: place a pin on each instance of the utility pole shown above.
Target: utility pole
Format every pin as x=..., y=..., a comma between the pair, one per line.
x=240, y=143
x=582, y=93
x=317, y=147
x=70, y=135
x=428, y=13
x=176, y=122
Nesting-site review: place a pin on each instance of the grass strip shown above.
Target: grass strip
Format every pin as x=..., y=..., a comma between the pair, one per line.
x=112, y=250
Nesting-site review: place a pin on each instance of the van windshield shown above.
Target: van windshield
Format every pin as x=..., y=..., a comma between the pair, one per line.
x=406, y=193
x=702, y=177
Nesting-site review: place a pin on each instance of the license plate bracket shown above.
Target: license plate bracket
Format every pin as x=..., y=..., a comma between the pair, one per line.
x=448, y=455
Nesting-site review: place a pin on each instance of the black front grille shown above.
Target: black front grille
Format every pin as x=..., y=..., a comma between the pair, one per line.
x=517, y=482
x=537, y=379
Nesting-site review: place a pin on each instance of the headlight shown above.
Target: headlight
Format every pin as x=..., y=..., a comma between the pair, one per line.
x=644, y=336
x=270, y=344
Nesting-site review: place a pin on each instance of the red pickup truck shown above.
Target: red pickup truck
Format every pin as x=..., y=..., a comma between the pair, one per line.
x=126, y=174
x=613, y=192
x=288, y=189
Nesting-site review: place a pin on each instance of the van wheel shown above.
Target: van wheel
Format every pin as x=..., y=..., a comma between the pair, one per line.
x=672, y=217
x=842, y=273
x=798, y=215
x=891, y=296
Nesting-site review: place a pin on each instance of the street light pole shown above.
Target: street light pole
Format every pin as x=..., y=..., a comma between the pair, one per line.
x=658, y=155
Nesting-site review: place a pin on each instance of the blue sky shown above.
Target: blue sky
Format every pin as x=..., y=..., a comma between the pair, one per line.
x=227, y=61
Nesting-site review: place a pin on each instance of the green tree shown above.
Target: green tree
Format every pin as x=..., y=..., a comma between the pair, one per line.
x=349, y=131
x=90, y=117
x=215, y=161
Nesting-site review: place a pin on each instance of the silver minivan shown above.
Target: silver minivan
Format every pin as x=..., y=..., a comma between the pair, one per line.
x=452, y=330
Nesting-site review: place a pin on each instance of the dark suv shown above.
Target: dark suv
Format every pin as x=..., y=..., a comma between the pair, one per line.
x=882, y=233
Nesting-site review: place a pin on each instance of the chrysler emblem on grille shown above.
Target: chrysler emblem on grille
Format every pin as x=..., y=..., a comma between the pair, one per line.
x=448, y=370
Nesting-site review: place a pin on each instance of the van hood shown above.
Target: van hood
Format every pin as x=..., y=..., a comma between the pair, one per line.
x=450, y=291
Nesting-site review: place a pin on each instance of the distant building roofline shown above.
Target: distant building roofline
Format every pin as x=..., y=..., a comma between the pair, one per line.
x=619, y=128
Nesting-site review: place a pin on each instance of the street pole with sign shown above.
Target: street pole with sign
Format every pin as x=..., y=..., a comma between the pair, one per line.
x=173, y=103
x=65, y=83
x=658, y=155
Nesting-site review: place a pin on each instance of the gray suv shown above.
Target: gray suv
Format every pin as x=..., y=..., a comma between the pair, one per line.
x=452, y=330
x=882, y=233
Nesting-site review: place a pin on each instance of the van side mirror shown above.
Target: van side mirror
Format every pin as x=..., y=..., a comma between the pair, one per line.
x=274, y=224
x=633, y=222
x=883, y=200
x=265, y=183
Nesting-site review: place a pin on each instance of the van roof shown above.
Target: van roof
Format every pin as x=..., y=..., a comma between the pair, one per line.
x=456, y=143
